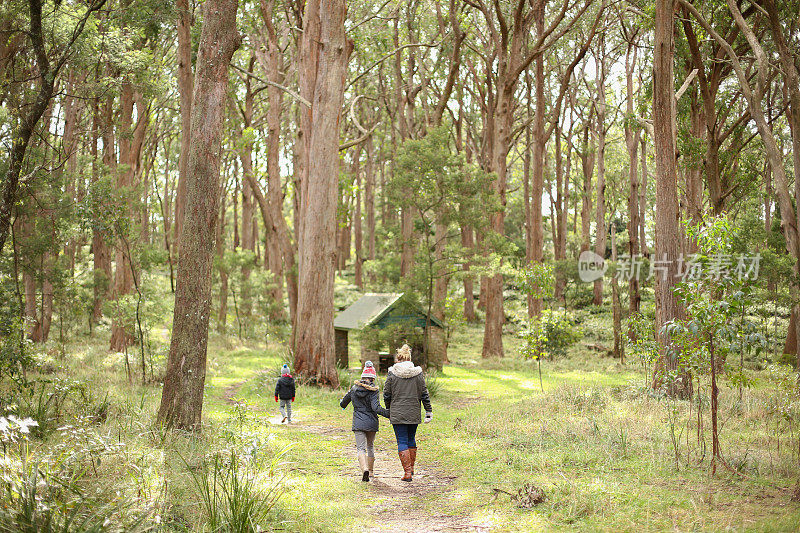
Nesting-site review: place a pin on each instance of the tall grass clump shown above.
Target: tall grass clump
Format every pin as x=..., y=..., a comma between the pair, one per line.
x=237, y=492
x=432, y=383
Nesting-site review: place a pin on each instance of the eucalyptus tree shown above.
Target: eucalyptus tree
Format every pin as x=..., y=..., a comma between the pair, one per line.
x=182, y=396
x=505, y=36
x=324, y=52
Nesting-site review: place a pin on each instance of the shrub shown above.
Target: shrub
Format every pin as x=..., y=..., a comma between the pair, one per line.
x=48, y=493
x=550, y=335
x=432, y=382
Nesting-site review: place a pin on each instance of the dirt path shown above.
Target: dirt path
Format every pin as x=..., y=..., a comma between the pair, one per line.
x=397, y=506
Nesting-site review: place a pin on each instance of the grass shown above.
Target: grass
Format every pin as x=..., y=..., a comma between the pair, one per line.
x=601, y=448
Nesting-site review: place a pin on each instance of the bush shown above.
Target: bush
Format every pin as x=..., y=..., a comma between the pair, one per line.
x=47, y=401
x=432, y=383
x=550, y=335
x=48, y=493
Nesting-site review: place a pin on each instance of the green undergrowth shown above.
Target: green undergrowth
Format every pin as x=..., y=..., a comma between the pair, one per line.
x=607, y=454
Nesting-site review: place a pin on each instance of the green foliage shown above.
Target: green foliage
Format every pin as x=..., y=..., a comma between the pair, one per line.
x=391, y=336
x=48, y=401
x=249, y=295
x=47, y=493
x=14, y=349
x=641, y=342
x=537, y=280
x=445, y=193
x=432, y=382
x=716, y=320
x=550, y=335
x=237, y=491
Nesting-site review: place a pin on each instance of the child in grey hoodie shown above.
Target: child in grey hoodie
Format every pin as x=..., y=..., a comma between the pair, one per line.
x=284, y=390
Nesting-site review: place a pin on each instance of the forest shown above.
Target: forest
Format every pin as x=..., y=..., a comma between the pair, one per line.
x=581, y=216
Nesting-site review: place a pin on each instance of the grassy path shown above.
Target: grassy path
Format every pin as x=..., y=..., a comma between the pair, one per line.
x=600, y=452
x=392, y=505
x=598, y=446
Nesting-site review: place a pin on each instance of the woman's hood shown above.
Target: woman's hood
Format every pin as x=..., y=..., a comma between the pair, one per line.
x=405, y=369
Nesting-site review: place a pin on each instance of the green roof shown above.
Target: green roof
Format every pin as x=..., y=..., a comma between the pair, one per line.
x=369, y=310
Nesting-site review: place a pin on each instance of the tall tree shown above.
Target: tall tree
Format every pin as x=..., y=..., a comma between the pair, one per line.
x=185, y=89
x=507, y=40
x=182, y=396
x=324, y=54
x=668, y=236
x=48, y=67
x=600, y=213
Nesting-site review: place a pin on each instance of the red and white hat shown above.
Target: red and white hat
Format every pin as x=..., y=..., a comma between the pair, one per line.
x=369, y=371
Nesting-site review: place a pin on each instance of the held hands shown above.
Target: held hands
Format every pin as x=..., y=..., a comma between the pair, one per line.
x=292, y=398
x=428, y=417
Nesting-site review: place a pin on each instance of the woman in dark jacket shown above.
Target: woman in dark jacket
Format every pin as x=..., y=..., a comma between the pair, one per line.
x=405, y=389
x=366, y=408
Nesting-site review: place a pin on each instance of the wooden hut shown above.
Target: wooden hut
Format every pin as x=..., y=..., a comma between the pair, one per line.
x=403, y=321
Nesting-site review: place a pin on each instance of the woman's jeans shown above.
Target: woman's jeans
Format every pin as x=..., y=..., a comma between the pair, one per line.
x=406, y=436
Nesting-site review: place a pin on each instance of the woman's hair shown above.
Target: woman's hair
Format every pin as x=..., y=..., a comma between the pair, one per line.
x=403, y=354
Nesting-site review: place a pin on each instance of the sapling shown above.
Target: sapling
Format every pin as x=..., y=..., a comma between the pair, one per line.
x=537, y=281
x=714, y=323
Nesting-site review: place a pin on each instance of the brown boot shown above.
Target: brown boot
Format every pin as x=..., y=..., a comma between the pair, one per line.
x=405, y=460
x=413, y=458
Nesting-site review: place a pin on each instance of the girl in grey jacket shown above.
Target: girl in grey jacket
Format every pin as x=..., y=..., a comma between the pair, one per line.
x=403, y=393
x=366, y=408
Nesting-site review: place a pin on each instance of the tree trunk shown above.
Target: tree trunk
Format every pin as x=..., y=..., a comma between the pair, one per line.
x=279, y=242
x=324, y=54
x=406, y=238
x=560, y=217
x=358, y=237
x=222, y=314
x=632, y=144
x=102, y=254
x=694, y=171
x=130, y=142
x=248, y=237
x=668, y=237
x=182, y=397
x=792, y=84
x=442, y=279
x=166, y=211
x=587, y=166
x=619, y=346
x=469, y=291
x=185, y=90
x=369, y=203
x=537, y=183
x=503, y=116
x=32, y=326
x=643, y=201
x=600, y=214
